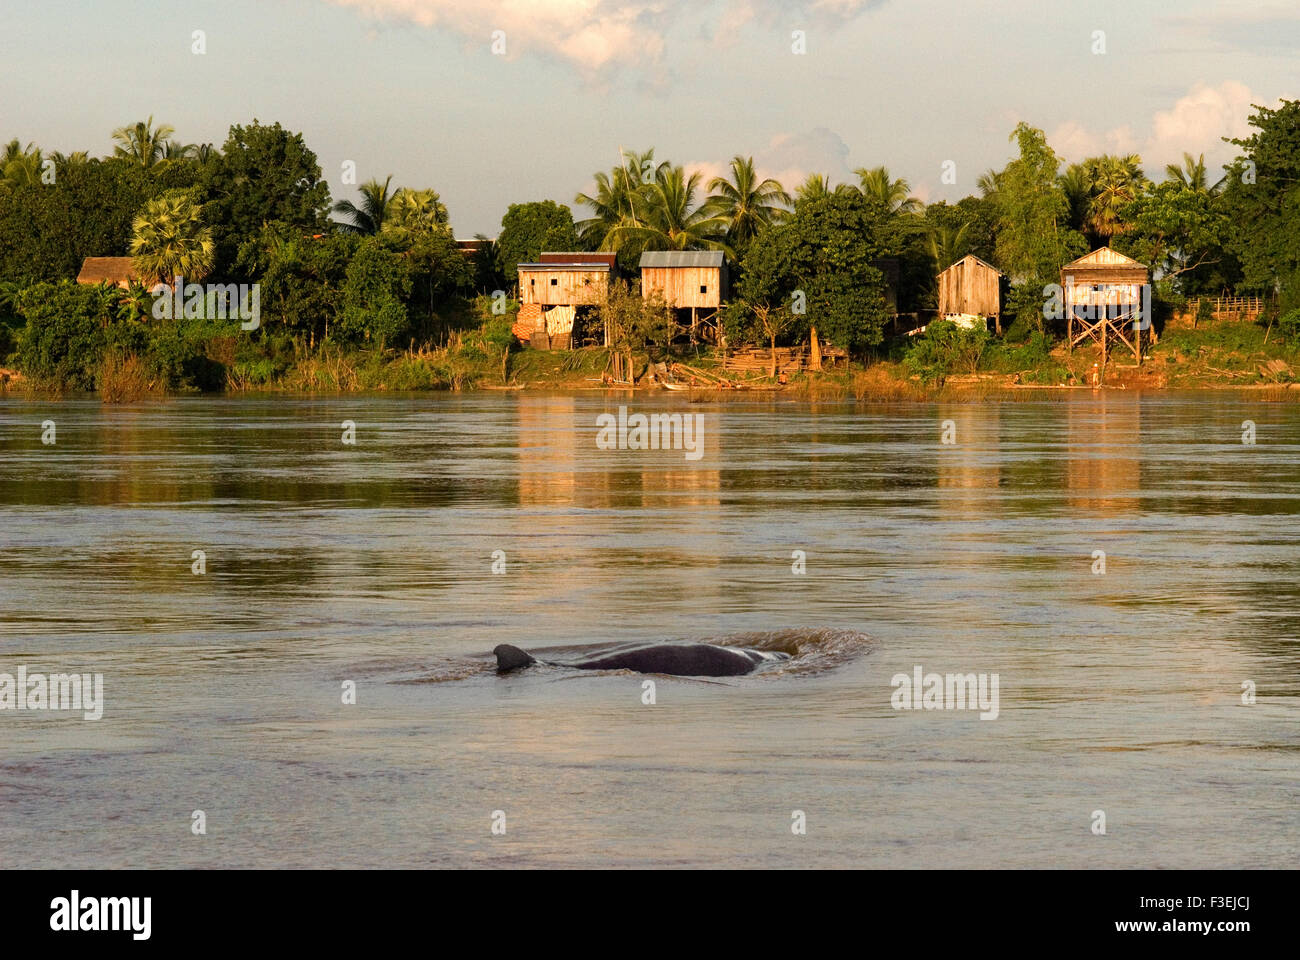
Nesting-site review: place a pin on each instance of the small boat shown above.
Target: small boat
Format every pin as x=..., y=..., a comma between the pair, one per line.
x=676, y=386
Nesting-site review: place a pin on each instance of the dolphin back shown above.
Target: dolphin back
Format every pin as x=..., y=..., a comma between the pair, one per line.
x=511, y=658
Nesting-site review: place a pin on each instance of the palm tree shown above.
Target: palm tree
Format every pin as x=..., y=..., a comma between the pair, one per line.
x=142, y=142
x=369, y=217
x=988, y=182
x=816, y=185
x=947, y=244
x=894, y=195
x=1193, y=175
x=1113, y=182
x=20, y=166
x=415, y=210
x=744, y=203
x=665, y=217
x=168, y=239
x=1078, y=194
x=205, y=152
x=613, y=202
x=175, y=150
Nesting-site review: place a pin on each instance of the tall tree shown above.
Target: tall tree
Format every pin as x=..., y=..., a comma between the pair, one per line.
x=368, y=217
x=529, y=228
x=263, y=173
x=894, y=195
x=1264, y=202
x=142, y=142
x=667, y=217
x=416, y=210
x=1034, y=237
x=169, y=240
x=745, y=203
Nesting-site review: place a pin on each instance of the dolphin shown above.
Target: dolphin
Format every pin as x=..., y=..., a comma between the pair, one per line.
x=676, y=659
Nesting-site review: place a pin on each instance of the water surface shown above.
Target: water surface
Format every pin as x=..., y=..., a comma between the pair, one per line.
x=373, y=563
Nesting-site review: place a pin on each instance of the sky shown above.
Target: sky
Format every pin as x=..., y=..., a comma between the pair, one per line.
x=493, y=102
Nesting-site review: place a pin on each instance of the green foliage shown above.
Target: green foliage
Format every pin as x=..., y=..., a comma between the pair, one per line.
x=527, y=229
x=374, y=297
x=826, y=250
x=1181, y=233
x=945, y=348
x=1034, y=238
x=47, y=230
x=302, y=277
x=264, y=173
x=64, y=339
x=1288, y=325
x=1263, y=202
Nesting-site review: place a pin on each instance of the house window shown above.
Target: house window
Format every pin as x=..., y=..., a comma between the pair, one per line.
x=704, y=288
x=555, y=281
x=532, y=282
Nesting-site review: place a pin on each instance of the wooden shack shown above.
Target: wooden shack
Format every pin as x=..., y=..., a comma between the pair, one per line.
x=1107, y=298
x=687, y=280
x=971, y=287
x=552, y=291
x=118, y=271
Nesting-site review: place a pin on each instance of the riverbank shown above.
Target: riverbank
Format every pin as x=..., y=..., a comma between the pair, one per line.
x=1222, y=357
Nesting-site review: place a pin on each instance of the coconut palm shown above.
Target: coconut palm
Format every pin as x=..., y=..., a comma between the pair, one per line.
x=175, y=150
x=369, y=217
x=613, y=201
x=988, y=182
x=894, y=195
x=168, y=239
x=20, y=166
x=815, y=186
x=142, y=142
x=1193, y=175
x=415, y=210
x=665, y=217
x=1113, y=182
x=947, y=244
x=745, y=203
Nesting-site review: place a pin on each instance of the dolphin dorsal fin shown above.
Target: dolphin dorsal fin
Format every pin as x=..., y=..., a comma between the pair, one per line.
x=511, y=658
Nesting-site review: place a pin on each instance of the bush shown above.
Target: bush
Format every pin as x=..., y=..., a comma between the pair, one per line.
x=946, y=348
x=1289, y=326
x=64, y=339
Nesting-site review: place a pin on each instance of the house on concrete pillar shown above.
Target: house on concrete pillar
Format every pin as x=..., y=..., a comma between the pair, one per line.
x=556, y=291
x=971, y=287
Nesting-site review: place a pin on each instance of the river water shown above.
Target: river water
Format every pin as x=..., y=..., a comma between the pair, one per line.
x=328, y=564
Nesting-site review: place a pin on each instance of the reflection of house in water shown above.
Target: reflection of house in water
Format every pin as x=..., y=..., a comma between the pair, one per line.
x=973, y=462
x=1103, y=465
x=559, y=463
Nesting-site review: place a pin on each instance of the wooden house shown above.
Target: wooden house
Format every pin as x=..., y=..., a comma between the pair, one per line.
x=118, y=271
x=971, y=287
x=1107, y=297
x=552, y=290
x=685, y=278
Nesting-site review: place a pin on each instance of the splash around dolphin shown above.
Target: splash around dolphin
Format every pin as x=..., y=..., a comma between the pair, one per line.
x=674, y=659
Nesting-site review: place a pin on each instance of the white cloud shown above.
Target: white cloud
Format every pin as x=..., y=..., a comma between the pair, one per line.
x=595, y=36
x=1194, y=124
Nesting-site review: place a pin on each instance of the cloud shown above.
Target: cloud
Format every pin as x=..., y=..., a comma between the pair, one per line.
x=1194, y=124
x=594, y=36
x=1268, y=27
x=789, y=158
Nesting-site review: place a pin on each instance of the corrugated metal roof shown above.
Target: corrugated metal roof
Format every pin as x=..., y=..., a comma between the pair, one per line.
x=584, y=267
x=681, y=258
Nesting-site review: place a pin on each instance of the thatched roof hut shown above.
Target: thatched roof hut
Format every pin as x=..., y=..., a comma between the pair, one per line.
x=118, y=271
